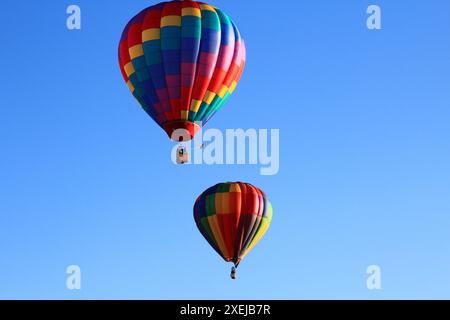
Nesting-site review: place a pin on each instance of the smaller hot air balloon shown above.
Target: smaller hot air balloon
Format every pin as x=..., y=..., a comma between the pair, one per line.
x=233, y=217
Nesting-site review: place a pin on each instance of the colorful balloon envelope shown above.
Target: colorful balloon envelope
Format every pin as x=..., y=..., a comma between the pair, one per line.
x=181, y=60
x=233, y=217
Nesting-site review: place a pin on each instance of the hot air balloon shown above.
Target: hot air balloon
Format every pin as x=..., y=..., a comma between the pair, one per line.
x=181, y=60
x=232, y=217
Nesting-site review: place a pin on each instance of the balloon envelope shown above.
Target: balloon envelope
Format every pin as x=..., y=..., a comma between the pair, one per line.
x=181, y=60
x=232, y=217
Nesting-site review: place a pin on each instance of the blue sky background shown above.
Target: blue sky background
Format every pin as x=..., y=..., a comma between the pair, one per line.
x=364, y=119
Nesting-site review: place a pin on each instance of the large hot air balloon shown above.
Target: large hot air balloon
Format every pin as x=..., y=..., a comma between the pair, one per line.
x=181, y=60
x=232, y=217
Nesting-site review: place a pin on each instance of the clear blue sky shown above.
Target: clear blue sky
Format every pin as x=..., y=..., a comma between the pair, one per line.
x=364, y=119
